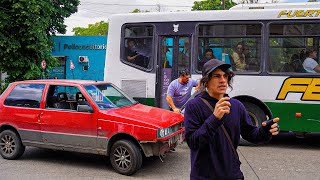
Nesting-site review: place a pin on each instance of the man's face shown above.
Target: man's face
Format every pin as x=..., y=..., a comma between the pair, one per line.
x=185, y=78
x=209, y=55
x=218, y=83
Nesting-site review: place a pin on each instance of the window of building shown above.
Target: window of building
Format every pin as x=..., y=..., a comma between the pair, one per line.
x=137, y=46
x=235, y=44
x=25, y=95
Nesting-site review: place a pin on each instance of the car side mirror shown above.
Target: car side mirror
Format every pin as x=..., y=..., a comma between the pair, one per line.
x=84, y=108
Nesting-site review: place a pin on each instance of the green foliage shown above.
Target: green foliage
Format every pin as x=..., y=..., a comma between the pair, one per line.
x=97, y=29
x=139, y=11
x=211, y=5
x=25, y=30
x=3, y=87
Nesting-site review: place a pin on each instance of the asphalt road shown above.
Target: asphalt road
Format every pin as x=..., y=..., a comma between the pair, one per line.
x=285, y=157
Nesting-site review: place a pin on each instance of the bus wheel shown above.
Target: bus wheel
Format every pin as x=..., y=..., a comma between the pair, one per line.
x=125, y=157
x=257, y=116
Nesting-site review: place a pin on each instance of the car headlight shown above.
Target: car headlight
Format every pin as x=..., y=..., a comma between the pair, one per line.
x=164, y=132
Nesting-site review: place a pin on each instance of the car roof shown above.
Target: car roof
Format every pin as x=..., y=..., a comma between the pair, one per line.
x=63, y=81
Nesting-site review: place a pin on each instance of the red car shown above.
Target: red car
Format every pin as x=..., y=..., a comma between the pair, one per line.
x=85, y=116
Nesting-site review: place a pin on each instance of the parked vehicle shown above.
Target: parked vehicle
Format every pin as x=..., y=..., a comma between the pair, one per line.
x=85, y=116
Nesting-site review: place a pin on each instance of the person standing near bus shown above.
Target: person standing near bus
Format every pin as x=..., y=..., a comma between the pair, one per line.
x=213, y=124
x=310, y=64
x=179, y=91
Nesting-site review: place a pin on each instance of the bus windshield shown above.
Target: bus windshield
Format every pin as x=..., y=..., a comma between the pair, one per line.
x=106, y=96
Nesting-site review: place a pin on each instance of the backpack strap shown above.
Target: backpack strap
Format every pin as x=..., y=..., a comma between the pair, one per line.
x=224, y=129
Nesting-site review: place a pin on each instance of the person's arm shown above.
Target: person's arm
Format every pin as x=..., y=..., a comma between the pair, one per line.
x=131, y=58
x=317, y=68
x=196, y=84
x=199, y=132
x=170, y=94
x=249, y=131
x=171, y=104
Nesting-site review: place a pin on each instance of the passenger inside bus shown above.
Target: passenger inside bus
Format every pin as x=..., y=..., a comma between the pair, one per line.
x=137, y=53
x=208, y=54
x=239, y=58
x=310, y=64
x=252, y=63
x=294, y=65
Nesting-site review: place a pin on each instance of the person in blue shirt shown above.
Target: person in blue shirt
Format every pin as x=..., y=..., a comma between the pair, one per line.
x=213, y=133
x=179, y=91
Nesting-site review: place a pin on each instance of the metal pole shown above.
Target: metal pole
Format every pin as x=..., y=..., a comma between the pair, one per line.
x=223, y=4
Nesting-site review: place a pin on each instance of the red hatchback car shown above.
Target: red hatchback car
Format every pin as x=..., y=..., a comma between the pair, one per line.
x=85, y=116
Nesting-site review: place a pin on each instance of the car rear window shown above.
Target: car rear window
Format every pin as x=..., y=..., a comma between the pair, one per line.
x=25, y=95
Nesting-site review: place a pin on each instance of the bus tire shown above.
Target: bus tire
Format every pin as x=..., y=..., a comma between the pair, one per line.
x=257, y=116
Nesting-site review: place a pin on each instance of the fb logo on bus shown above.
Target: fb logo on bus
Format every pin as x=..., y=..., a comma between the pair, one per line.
x=309, y=87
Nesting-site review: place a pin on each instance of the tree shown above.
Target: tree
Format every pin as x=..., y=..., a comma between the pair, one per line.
x=139, y=11
x=26, y=27
x=211, y=5
x=97, y=29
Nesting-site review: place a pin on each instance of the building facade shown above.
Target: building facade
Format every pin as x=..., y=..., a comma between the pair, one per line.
x=80, y=57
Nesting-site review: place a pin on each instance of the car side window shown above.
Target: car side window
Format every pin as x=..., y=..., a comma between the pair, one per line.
x=25, y=95
x=65, y=97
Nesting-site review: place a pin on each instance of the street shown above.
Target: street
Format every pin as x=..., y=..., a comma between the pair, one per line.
x=285, y=157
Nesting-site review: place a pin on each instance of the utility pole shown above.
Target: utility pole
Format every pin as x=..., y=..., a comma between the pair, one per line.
x=223, y=4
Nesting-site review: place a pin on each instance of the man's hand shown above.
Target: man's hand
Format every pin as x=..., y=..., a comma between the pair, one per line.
x=222, y=107
x=272, y=126
x=176, y=110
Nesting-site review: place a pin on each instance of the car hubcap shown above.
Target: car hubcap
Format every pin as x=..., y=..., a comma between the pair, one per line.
x=122, y=157
x=7, y=144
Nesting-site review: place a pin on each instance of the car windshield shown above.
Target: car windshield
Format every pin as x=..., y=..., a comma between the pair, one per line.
x=108, y=96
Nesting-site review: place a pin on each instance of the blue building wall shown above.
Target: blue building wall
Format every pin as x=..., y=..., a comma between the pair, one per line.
x=71, y=48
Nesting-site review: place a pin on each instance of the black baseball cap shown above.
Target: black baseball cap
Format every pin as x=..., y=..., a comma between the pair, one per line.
x=213, y=64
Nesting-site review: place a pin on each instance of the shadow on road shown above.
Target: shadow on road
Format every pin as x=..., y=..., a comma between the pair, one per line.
x=285, y=140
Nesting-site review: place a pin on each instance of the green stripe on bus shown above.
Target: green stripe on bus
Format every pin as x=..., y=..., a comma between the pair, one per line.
x=308, y=122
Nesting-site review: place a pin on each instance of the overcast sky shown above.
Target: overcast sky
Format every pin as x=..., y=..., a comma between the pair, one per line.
x=92, y=11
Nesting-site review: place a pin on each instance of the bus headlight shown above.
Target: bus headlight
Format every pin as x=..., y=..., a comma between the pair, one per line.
x=164, y=132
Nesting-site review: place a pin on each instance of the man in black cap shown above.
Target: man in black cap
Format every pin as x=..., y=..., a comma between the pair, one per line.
x=213, y=124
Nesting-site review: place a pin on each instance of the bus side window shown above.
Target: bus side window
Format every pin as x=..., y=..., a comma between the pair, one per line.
x=138, y=43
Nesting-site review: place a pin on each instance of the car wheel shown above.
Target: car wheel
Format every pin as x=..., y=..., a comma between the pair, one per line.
x=11, y=146
x=257, y=116
x=125, y=157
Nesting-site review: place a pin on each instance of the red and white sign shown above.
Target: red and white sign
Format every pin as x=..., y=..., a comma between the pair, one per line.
x=43, y=64
x=71, y=65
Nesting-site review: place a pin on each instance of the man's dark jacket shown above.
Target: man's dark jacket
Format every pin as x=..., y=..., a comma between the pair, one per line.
x=211, y=153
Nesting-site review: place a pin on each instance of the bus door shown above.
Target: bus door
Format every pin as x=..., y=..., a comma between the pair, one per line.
x=174, y=56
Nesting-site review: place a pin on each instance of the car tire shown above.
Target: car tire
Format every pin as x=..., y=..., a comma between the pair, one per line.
x=125, y=157
x=11, y=146
x=257, y=116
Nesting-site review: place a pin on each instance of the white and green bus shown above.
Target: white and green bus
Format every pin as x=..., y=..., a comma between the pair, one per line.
x=273, y=82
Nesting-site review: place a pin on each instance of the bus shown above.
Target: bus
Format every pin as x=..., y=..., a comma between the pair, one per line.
x=147, y=50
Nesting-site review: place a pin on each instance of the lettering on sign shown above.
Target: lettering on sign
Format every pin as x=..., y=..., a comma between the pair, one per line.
x=299, y=13
x=308, y=87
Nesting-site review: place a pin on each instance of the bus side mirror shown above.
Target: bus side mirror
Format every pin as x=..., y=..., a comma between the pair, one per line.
x=84, y=108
